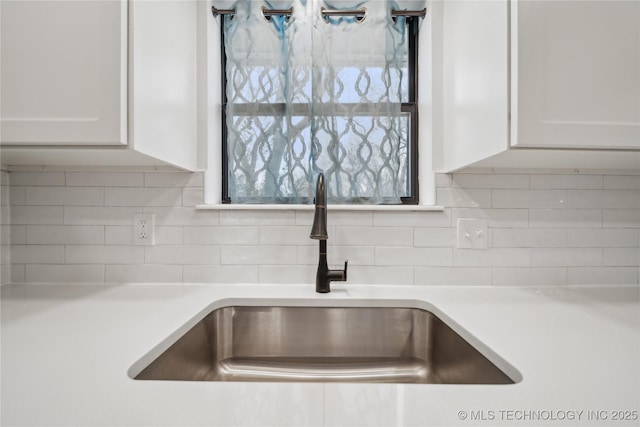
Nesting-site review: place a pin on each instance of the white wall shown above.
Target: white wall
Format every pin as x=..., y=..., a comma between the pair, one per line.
x=545, y=228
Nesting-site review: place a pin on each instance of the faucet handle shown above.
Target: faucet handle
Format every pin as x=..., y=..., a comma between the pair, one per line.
x=346, y=262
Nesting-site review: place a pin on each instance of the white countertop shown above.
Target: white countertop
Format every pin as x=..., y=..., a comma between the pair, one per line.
x=66, y=351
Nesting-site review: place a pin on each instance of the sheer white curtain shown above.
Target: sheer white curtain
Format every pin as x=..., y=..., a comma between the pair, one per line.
x=309, y=94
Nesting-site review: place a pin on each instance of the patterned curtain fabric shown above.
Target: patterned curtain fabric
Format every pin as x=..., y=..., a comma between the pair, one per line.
x=309, y=94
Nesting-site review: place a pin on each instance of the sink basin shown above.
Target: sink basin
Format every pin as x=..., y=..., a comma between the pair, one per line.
x=323, y=344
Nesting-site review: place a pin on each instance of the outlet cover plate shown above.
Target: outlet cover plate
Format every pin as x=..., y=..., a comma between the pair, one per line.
x=144, y=229
x=472, y=233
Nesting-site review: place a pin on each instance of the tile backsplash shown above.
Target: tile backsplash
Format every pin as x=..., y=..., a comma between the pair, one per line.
x=544, y=228
x=5, y=229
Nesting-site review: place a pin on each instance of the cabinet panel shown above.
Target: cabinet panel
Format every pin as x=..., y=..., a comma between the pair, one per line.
x=577, y=74
x=475, y=81
x=64, y=78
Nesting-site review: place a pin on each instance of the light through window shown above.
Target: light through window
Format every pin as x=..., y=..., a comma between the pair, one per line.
x=304, y=94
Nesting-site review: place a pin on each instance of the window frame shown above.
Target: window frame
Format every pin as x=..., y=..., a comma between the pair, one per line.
x=410, y=107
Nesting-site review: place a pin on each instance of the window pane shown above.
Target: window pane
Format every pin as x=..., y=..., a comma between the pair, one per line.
x=305, y=96
x=356, y=162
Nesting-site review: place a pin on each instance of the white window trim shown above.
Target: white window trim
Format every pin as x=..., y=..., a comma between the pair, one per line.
x=330, y=207
x=211, y=78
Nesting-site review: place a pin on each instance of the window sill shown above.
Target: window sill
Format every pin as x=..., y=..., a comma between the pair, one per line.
x=292, y=207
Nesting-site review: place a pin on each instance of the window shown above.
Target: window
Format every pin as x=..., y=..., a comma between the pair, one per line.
x=307, y=92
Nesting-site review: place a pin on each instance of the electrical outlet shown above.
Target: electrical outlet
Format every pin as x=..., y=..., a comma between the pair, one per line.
x=144, y=229
x=472, y=233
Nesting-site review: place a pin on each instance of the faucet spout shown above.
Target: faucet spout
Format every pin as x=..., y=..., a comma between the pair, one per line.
x=319, y=228
x=324, y=276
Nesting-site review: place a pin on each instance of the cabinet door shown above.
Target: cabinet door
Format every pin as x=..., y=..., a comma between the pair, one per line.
x=575, y=74
x=64, y=72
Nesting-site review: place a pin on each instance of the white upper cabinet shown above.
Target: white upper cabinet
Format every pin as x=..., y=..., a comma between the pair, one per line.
x=540, y=84
x=100, y=82
x=576, y=74
x=64, y=72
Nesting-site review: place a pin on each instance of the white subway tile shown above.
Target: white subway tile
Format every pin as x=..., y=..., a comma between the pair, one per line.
x=219, y=235
x=602, y=276
x=288, y=274
x=182, y=255
x=145, y=273
x=463, y=198
x=17, y=273
x=104, y=179
x=37, y=254
x=444, y=180
x=622, y=218
x=123, y=235
x=603, y=238
x=65, y=196
x=566, y=257
x=308, y=255
x=5, y=199
x=306, y=218
x=257, y=217
x=5, y=237
x=414, y=256
x=566, y=181
x=115, y=196
x=335, y=217
x=287, y=236
x=65, y=234
x=258, y=255
x=616, y=199
x=99, y=254
x=17, y=234
x=346, y=218
x=529, y=238
x=566, y=243
x=173, y=179
x=620, y=182
x=183, y=216
x=221, y=273
x=5, y=215
x=453, y=276
x=118, y=235
x=529, y=198
x=64, y=273
x=509, y=276
x=16, y=196
x=37, y=178
x=493, y=257
x=379, y=275
x=412, y=219
x=482, y=180
x=169, y=235
x=192, y=196
x=337, y=255
x=565, y=218
x=5, y=274
x=374, y=236
x=628, y=257
x=104, y=215
x=4, y=245
x=36, y=215
x=435, y=237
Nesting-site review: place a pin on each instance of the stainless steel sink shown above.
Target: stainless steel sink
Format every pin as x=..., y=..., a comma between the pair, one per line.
x=323, y=344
